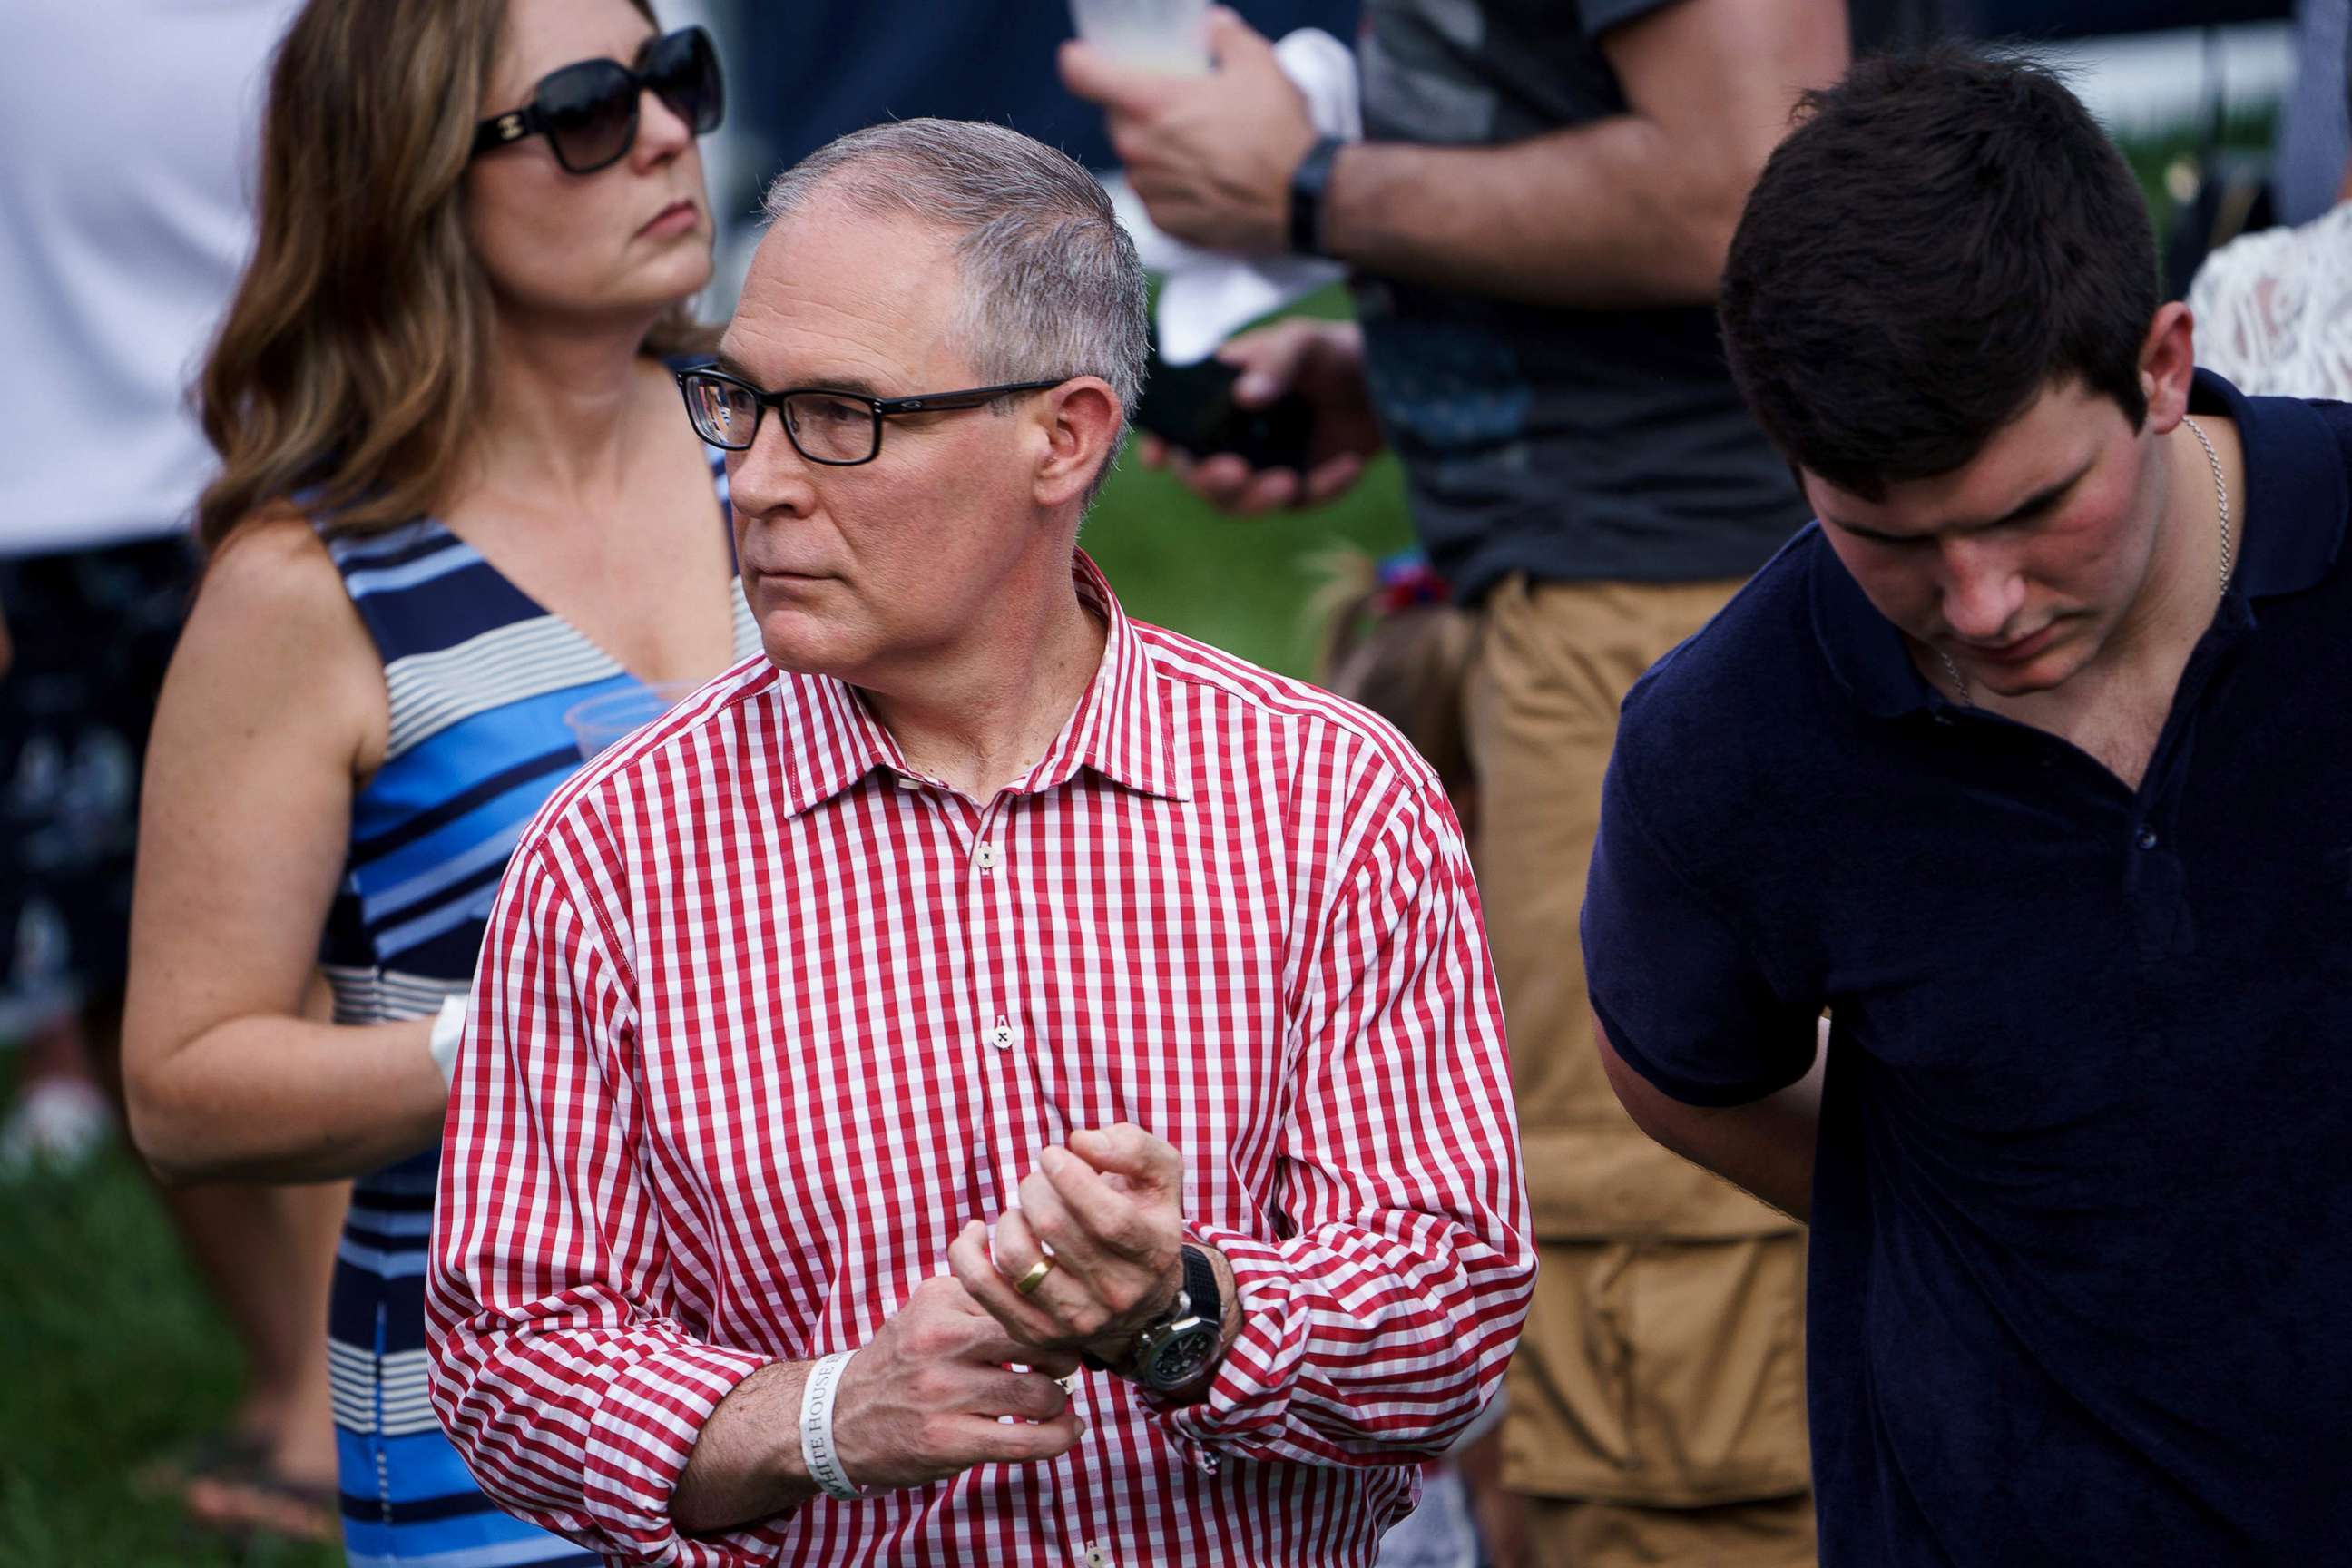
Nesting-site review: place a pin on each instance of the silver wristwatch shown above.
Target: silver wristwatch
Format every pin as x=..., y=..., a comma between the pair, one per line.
x=1175, y=1347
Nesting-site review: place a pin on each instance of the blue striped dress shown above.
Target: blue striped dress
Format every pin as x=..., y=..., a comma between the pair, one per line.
x=479, y=675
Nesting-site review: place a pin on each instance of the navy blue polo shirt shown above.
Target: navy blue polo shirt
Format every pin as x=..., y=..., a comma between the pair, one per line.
x=2082, y=1250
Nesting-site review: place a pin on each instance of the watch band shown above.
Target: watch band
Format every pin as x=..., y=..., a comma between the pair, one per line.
x=1308, y=184
x=1200, y=1285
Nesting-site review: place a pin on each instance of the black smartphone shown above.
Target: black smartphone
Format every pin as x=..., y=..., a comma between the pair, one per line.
x=1193, y=406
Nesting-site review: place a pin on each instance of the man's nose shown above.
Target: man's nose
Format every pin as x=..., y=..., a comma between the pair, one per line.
x=772, y=477
x=1982, y=589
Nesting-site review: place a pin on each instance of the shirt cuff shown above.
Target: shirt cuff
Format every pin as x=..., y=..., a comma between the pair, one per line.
x=1249, y=1395
x=647, y=1424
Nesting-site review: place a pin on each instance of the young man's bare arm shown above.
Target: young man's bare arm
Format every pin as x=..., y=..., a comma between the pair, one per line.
x=1766, y=1148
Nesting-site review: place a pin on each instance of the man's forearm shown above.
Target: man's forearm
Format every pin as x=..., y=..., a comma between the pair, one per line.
x=1766, y=1148
x=1634, y=208
x=746, y=1464
x=1599, y=216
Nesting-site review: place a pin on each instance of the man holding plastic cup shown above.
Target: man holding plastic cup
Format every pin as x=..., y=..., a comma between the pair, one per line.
x=1535, y=224
x=1171, y=36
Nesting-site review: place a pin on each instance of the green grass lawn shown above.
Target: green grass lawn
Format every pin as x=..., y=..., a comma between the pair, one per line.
x=1239, y=583
x=109, y=1353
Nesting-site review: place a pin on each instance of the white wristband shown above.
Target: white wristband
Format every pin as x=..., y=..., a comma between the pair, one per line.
x=448, y=1028
x=817, y=1427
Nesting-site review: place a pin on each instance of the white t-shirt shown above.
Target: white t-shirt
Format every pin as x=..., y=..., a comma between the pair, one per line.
x=2274, y=309
x=129, y=130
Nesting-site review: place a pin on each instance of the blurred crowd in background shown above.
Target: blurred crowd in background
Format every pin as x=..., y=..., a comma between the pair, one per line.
x=126, y=224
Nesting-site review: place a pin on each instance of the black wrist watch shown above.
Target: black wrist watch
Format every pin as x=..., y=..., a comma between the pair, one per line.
x=1308, y=182
x=1175, y=1346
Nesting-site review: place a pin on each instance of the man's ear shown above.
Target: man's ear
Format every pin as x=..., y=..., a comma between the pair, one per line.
x=1081, y=421
x=2168, y=362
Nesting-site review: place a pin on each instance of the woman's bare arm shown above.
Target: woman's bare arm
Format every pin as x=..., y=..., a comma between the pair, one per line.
x=274, y=705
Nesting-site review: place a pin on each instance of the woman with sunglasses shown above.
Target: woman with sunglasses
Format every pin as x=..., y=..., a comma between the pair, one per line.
x=455, y=500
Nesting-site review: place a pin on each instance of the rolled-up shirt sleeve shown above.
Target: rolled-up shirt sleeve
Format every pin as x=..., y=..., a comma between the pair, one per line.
x=559, y=1367
x=1688, y=997
x=1382, y=1300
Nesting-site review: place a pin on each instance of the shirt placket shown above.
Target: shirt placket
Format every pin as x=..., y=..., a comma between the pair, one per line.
x=1018, y=1121
x=2155, y=876
x=995, y=1010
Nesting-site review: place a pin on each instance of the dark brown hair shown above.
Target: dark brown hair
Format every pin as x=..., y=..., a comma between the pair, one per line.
x=1943, y=235
x=350, y=367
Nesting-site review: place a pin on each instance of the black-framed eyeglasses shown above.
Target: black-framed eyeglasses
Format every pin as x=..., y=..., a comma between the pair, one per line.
x=824, y=426
x=588, y=111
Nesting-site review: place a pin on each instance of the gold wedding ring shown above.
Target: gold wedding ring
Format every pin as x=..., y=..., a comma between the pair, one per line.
x=1027, y=1284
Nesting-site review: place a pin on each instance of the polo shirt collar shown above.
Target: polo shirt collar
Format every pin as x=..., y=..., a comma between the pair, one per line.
x=1120, y=728
x=1866, y=653
x=2298, y=490
x=2297, y=501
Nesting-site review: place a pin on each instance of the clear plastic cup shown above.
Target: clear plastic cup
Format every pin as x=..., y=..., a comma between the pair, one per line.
x=1167, y=35
x=599, y=721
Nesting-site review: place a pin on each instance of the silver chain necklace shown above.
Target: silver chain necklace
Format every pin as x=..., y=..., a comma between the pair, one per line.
x=2229, y=553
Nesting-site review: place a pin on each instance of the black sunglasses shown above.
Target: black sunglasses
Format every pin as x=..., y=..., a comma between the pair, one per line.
x=588, y=111
x=841, y=429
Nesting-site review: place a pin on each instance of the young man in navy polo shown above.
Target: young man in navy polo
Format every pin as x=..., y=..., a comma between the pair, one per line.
x=2032, y=764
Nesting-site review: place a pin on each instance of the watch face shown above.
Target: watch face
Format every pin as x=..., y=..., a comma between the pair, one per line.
x=1178, y=1358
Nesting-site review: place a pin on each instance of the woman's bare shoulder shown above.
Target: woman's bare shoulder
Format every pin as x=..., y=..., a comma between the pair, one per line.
x=273, y=634
x=273, y=559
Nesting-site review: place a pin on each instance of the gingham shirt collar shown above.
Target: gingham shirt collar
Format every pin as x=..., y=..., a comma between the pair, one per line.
x=1119, y=728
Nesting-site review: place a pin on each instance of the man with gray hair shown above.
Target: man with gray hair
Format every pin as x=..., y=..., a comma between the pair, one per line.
x=990, y=1080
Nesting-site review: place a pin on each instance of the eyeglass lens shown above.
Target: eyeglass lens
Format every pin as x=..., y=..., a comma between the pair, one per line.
x=830, y=429
x=825, y=428
x=724, y=415
x=590, y=109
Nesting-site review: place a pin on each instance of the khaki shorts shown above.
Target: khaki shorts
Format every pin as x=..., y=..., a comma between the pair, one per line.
x=1661, y=1365
x=1667, y=1374
x=1775, y=1534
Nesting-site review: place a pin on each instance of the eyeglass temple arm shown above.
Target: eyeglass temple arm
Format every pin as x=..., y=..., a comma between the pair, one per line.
x=973, y=397
x=501, y=128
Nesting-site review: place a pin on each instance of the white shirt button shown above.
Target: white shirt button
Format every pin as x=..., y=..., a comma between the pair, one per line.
x=1094, y=1556
x=987, y=856
x=1003, y=1036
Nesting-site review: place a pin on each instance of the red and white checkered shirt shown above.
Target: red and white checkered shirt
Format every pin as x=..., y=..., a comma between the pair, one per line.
x=763, y=1018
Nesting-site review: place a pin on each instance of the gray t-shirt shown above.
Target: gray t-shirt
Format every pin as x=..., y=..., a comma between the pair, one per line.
x=1563, y=444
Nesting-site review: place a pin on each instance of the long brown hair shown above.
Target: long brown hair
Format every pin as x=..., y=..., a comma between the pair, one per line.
x=352, y=364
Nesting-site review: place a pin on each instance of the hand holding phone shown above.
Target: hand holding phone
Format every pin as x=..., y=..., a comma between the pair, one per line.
x=1192, y=408
x=1293, y=425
